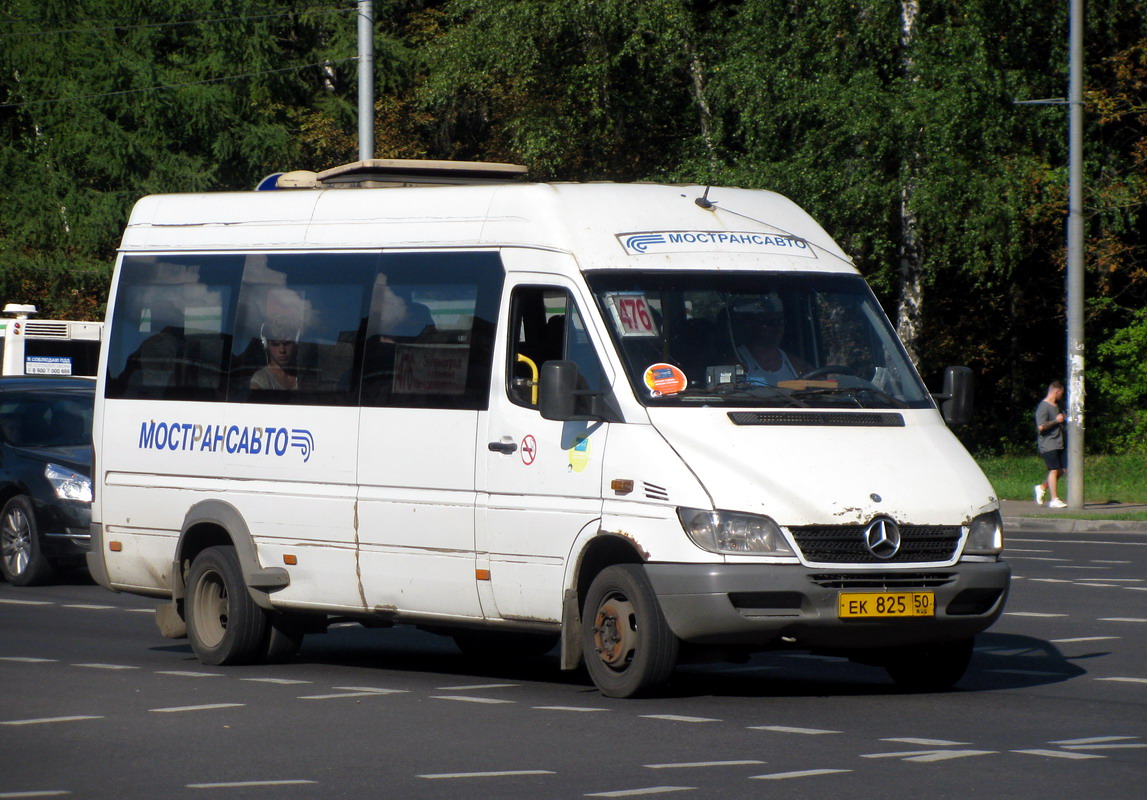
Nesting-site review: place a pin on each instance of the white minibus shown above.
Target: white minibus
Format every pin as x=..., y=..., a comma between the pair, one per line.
x=47, y=346
x=643, y=422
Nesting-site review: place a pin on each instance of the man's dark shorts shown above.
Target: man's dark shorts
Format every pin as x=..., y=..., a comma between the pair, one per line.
x=1054, y=459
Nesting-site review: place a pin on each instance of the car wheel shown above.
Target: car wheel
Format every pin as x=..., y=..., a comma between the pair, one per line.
x=629, y=648
x=22, y=559
x=224, y=624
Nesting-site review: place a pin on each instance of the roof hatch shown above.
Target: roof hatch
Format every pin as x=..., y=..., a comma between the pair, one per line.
x=385, y=173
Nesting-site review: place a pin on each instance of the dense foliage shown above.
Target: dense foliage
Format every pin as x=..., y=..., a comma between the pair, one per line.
x=894, y=123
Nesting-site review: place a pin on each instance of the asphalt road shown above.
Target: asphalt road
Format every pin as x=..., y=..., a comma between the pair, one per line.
x=95, y=704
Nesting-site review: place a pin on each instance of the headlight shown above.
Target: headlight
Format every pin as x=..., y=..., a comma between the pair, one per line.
x=729, y=532
x=69, y=484
x=985, y=536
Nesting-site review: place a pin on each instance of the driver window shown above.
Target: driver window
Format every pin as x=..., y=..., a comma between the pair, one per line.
x=547, y=325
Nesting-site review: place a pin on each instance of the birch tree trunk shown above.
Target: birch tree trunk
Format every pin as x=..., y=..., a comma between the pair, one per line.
x=911, y=299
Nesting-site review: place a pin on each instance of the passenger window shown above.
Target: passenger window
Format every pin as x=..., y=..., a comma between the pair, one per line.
x=170, y=336
x=547, y=325
x=429, y=341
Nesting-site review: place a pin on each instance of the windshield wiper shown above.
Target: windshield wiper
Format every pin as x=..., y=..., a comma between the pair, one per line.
x=851, y=392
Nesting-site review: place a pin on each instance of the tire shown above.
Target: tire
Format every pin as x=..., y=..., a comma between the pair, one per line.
x=629, y=648
x=22, y=559
x=223, y=622
x=929, y=667
x=503, y=646
x=284, y=638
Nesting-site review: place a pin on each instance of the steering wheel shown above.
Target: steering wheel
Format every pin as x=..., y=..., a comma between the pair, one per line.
x=830, y=369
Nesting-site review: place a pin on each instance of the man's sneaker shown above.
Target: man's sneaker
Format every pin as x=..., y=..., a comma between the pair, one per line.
x=1056, y=503
x=1040, y=493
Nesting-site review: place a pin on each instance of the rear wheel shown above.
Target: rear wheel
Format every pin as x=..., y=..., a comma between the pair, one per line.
x=224, y=624
x=629, y=648
x=22, y=560
x=929, y=667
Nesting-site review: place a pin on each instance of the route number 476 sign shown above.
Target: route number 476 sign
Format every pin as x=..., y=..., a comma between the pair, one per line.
x=631, y=314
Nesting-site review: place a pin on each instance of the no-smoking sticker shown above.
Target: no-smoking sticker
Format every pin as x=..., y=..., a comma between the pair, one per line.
x=529, y=450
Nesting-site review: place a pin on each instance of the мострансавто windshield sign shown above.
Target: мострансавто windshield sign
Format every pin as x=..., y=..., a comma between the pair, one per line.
x=232, y=439
x=639, y=243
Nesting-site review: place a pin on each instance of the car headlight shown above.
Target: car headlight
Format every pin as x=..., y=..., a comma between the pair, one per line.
x=985, y=535
x=69, y=484
x=730, y=532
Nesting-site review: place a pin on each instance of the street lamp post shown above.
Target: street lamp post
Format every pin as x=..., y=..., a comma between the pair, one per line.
x=365, y=80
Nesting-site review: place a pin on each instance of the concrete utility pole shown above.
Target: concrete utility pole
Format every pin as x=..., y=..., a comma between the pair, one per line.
x=365, y=80
x=1074, y=282
x=1075, y=390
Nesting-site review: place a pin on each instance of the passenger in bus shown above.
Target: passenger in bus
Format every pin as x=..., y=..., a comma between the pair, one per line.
x=760, y=328
x=280, y=337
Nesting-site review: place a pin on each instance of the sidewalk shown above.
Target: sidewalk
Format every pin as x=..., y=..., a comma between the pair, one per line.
x=1025, y=514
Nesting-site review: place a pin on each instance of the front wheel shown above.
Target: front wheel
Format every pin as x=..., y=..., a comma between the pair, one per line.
x=22, y=560
x=929, y=667
x=224, y=624
x=629, y=648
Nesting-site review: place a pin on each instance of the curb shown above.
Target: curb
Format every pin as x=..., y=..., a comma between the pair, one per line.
x=1047, y=523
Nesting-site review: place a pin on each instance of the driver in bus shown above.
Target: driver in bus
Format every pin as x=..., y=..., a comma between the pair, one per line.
x=280, y=339
x=762, y=327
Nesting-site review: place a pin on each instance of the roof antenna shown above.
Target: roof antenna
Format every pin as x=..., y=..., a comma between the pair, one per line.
x=704, y=201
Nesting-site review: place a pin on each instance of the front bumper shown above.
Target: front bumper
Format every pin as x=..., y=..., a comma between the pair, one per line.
x=765, y=605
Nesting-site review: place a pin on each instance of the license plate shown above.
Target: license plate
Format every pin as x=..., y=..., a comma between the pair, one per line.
x=854, y=605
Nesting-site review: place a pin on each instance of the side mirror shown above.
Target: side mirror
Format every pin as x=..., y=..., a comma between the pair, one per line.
x=956, y=399
x=557, y=385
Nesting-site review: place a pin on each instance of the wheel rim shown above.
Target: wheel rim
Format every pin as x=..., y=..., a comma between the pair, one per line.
x=16, y=542
x=615, y=631
x=210, y=608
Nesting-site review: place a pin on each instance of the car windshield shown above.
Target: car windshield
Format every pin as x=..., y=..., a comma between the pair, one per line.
x=793, y=340
x=42, y=419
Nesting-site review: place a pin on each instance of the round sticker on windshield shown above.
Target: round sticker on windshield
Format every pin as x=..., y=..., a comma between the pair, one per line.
x=665, y=379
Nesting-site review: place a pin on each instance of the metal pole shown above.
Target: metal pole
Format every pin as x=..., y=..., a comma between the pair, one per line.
x=365, y=80
x=1075, y=389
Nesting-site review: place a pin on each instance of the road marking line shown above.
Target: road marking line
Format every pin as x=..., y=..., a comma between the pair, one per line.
x=45, y=720
x=1125, y=746
x=29, y=659
x=179, y=673
x=205, y=707
x=1094, y=740
x=1099, y=585
x=41, y=793
x=26, y=602
x=568, y=708
x=369, y=689
x=678, y=718
x=1080, y=566
x=502, y=774
x=461, y=698
x=1084, y=639
x=933, y=742
x=1032, y=614
x=105, y=666
x=1050, y=580
x=88, y=606
x=140, y=610
x=281, y=681
x=786, y=729
x=691, y=764
x=804, y=773
x=1124, y=680
x=342, y=695
x=245, y=784
x=1057, y=754
x=646, y=790
x=478, y=686
x=1122, y=619
x=927, y=756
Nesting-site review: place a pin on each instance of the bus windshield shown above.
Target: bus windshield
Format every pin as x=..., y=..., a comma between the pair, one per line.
x=756, y=339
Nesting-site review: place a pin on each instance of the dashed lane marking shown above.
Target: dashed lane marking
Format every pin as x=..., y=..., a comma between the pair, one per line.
x=1093, y=740
x=47, y=720
x=1084, y=639
x=693, y=764
x=1032, y=614
x=462, y=698
x=787, y=729
x=184, y=673
x=279, y=681
x=568, y=708
x=1124, y=680
x=29, y=659
x=12, y=602
x=932, y=742
x=678, y=718
x=1122, y=619
x=105, y=666
x=648, y=790
x=477, y=686
x=40, y=793
x=246, y=784
x=928, y=756
x=1057, y=754
x=804, y=773
x=509, y=773
x=88, y=606
x=204, y=707
x=348, y=691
